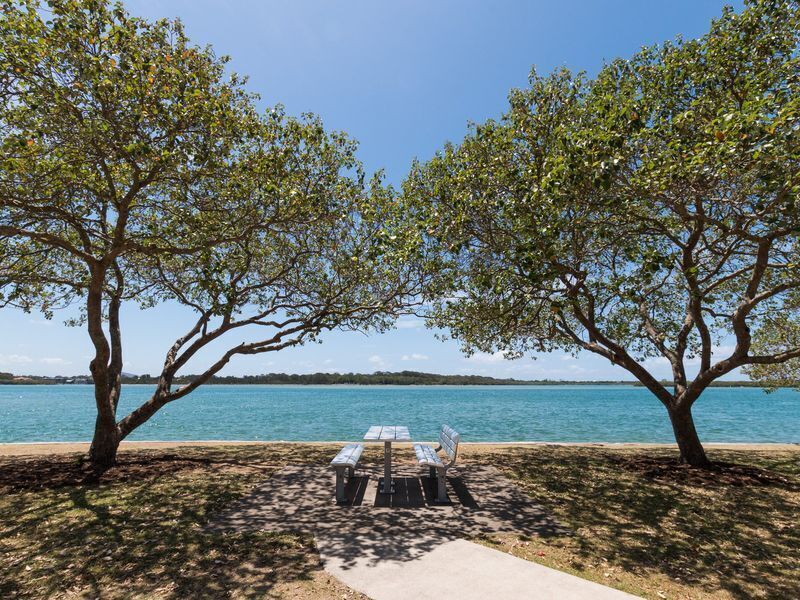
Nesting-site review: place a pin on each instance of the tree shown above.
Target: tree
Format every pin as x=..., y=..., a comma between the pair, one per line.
x=779, y=334
x=134, y=169
x=650, y=212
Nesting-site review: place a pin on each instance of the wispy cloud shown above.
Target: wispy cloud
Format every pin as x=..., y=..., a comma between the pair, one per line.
x=657, y=361
x=15, y=359
x=484, y=358
x=304, y=365
x=54, y=360
x=415, y=356
x=717, y=352
x=377, y=361
x=43, y=322
x=409, y=323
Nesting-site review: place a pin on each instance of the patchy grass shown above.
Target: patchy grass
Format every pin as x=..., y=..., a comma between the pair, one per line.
x=139, y=531
x=641, y=523
x=646, y=525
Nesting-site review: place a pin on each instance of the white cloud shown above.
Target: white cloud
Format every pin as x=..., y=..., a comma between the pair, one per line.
x=305, y=366
x=722, y=351
x=484, y=358
x=54, y=360
x=415, y=356
x=567, y=357
x=495, y=366
x=44, y=322
x=717, y=353
x=15, y=359
x=409, y=323
x=659, y=361
x=376, y=360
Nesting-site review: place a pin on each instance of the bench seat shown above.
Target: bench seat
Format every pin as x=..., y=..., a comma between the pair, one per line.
x=346, y=460
x=348, y=456
x=427, y=456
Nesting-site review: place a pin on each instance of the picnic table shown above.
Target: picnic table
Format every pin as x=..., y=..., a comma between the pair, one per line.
x=387, y=434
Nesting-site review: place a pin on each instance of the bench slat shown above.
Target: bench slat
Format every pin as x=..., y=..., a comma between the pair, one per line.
x=373, y=433
x=426, y=455
x=448, y=439
x=345, y=460
x=348, y=456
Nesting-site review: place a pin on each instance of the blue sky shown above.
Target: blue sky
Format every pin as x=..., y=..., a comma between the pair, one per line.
x=402, y=77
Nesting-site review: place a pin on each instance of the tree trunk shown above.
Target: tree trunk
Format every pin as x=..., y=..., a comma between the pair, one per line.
x=692, y=452
x=103, y=451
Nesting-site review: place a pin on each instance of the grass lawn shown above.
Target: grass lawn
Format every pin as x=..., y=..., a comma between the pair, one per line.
x=640, y=523
x=139, y=533
x=653, y=528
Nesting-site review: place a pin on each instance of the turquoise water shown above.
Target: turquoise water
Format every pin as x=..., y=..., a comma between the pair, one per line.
x=480, y=413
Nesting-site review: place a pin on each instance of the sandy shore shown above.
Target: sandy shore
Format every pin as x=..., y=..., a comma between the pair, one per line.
x=25, y=449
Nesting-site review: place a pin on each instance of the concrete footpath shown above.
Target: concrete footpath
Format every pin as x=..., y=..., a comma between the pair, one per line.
x=407, y=546
x=466, y=571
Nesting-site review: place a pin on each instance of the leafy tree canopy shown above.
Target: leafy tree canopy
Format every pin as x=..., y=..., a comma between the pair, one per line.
x=650, y=212
x=134, y=167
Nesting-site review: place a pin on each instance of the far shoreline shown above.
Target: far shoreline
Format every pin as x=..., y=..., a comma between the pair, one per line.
x=427, y=385
x=45, y=448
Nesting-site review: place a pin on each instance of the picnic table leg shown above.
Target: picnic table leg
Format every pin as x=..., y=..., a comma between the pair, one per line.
x=441, y=480
x=340, y=495
x=387, y=468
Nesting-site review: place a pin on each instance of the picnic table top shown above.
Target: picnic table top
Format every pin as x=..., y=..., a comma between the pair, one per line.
x=387, y=433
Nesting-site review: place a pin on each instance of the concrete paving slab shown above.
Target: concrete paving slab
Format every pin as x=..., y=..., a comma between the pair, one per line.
x=466, y=571
x=406, y=545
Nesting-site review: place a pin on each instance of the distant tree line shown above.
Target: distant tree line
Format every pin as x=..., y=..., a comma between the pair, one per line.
x=401, y=378
x=377, y=378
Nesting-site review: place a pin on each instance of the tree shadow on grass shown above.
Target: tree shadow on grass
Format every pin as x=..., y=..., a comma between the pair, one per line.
x=734, y=528
x=140, y=532
x=20, y=473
